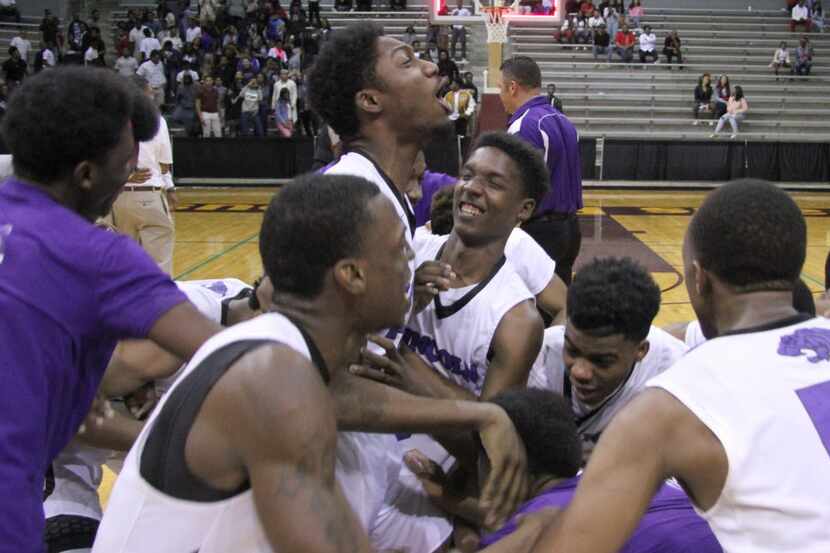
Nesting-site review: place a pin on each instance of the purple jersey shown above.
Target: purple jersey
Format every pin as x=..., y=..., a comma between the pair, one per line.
x=68, y=292
x=430, y=184
x=669, y=524
x=540, y=124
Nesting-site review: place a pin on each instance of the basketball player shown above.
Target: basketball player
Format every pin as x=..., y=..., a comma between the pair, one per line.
x=741, y=420
x=544, y=421
x=68, y=290
x=608, y=349
x=142, y=211
x=555, y=224
x=233, y=457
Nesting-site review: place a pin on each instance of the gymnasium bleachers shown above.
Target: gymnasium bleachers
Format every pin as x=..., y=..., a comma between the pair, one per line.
x=636, y=100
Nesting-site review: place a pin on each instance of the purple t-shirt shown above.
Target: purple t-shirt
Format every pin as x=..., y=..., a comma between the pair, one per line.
x=670, y=523
x=430, y=184
x=540, y=124
x=68, y=292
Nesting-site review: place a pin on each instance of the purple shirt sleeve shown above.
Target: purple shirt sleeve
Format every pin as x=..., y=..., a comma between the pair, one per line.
x=132, y=293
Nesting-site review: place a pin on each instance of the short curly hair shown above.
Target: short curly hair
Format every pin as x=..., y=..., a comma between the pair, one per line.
x=613, y=295
x=532, y=169
x=61, y=117
x=345, y=66
x=751, y=234
x=545, y=423
x=440, y=212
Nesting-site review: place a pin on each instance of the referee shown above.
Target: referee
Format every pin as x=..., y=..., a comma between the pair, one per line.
x=554, y=224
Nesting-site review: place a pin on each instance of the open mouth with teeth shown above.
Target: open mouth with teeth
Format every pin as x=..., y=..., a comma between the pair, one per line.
x=469, y=210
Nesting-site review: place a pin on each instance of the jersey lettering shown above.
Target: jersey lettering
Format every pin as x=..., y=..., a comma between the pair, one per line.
x=427, y=348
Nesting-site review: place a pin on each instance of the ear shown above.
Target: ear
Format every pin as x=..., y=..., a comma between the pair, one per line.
x=642, y=350
x=703, y=283
x=82, y=175
x=526, y=211
x=368, y=100
x=350, y=275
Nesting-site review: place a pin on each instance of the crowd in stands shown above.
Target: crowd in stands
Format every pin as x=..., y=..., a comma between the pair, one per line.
x=807, y=15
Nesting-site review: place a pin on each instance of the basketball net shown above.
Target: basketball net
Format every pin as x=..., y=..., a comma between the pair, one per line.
x=496, y=22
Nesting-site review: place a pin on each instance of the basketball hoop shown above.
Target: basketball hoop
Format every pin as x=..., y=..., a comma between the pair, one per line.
x=496, y=22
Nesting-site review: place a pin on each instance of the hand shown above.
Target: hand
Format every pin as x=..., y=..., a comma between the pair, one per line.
x=100, y=410
x=506, y=485
x=431, y=278
x=428, y=472
x=139, y=176
x=390, y=369
x=172, y=199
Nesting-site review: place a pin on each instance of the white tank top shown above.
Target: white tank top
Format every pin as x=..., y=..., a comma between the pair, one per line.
x=140, y=518
x=77, y=469
x=454, y=333
x=766, y=396
x=549, y=374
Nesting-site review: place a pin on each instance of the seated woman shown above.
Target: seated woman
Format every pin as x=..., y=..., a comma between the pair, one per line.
x=703, y=97
x=565, y=34
x=672, y=48
x=781, y=58
x=736, y=109
x=722, y=94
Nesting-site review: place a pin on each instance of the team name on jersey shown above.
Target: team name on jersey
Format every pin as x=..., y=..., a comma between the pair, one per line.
x=427, y=347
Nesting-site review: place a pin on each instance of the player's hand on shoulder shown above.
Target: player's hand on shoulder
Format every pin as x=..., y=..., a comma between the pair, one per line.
x=390, y=368
x=430, y=278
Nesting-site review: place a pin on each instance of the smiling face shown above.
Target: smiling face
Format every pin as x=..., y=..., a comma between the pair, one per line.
x=597, y=366
x=408, y=93
x=489, y=201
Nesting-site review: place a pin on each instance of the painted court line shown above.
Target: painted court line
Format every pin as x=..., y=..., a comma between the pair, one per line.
x=216, y=256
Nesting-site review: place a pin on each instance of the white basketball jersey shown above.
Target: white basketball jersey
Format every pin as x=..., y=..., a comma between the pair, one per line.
x=549, y=374
x=766, y=396
x=694, y=334
x=77, y=469
x=141, y=518
x=454, y=333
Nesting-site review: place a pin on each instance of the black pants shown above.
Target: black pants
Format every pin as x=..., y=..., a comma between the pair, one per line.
x=560, y=237
x=67, y=532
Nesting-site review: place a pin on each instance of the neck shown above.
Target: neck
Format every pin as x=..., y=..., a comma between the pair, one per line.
x=331, y=329
x=62, y=192
x=471, y=264
x=395, y=156
x=741, y=311
x=524, y=96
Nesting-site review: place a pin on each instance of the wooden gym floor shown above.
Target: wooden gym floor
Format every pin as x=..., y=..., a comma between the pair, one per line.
x=217, y=234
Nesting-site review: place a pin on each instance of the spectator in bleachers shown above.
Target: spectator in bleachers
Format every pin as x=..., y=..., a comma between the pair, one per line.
x=49, y=27
x=187, y=70
x=94, y=54
x=193, y=32
x=416, y=47
x=800, y=17
x=14, y=69
x=285, y=83
x=624, y=44
x=136, y=35
x=410, y=36
x=803, y=57
x=437, y=37
x=463, y=107
x=635, y=13
x=23, y=45
x=703, y=97
x=648, y=45
x=126, y=65
x=468, y=84
x=153, y=71
x=295, y=62
x=723, y=92
x=565, y=34
x=283, y=114
x=184, y=111
x=75, y=33
x=582, y=32
x=171, y=59
x=231, y=36
x=736, y=110
x=673, y=48
x=595, y=20
x=308, y=123
x=277, y=52
x=47, y=57
x=612, y=21
x=446, y=66
x=817, y=18
x=250, y=97
x=233, y=105
x=459, y=32
x=553, y=99
x=602, y=43
x=207, y=109
x=148, y=44
x=571, y=7
x=586, y=8
x=781, y=58
x=9, y=11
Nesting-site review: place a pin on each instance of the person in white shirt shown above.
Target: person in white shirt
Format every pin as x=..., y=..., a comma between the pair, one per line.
x=148, y=44
x=463, y=107
x=459, y=32
x=800, y=17
x=285, y=82
x=23, y=45
x=595, y=20
x=608, y=349
x=781, y=58
x=143, y=210
x=193, y=31
x=136, y=35
x=186, y=70
x=126, y=65
x=648, y=45
x=153, y=72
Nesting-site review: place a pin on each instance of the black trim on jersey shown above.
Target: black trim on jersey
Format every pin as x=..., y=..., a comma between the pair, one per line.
x=242, y=294
x=410, y=216
x=781, y=323
x=313, y=350
x=442, y=312
x=567, y=392
x=69, y=532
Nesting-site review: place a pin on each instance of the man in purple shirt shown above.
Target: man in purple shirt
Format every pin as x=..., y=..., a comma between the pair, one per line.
x=69, y=290
x=554, y=225
x=545, y=423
